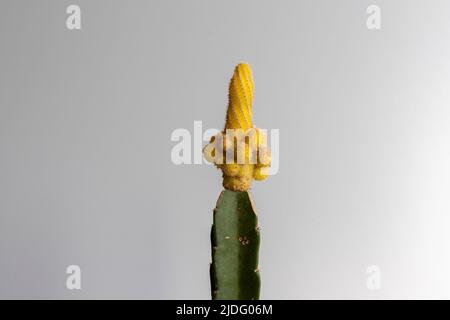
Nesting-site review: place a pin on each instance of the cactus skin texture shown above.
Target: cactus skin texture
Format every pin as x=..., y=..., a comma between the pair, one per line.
x=235, y=248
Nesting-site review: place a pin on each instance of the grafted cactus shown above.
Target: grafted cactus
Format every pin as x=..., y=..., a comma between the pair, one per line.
x=241, y=152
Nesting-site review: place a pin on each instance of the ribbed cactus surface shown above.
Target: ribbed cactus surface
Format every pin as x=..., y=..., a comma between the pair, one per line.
x=235, y=248
x=240, y=98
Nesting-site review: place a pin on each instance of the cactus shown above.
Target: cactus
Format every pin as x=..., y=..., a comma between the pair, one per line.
x=234, y=269
x=235, y=248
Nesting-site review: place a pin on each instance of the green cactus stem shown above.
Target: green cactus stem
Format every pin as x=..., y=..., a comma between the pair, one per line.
x=235, y=248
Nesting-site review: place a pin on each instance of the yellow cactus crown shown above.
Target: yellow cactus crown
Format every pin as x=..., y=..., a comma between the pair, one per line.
x=240, y=150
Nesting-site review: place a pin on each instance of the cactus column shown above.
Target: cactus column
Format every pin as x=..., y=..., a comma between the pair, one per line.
x=235, y=232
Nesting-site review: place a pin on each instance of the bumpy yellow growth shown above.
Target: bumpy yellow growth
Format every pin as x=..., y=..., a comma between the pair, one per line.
x=239, y=172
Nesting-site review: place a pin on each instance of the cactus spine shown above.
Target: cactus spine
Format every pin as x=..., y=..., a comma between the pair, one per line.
x=234, y=269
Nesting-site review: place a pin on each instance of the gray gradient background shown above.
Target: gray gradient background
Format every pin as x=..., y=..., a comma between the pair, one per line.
x=86, y=117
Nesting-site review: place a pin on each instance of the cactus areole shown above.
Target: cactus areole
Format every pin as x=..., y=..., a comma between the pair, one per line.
x=241, y=152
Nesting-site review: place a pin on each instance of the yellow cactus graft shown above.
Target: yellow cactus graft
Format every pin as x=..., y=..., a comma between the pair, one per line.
x=240, y=150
